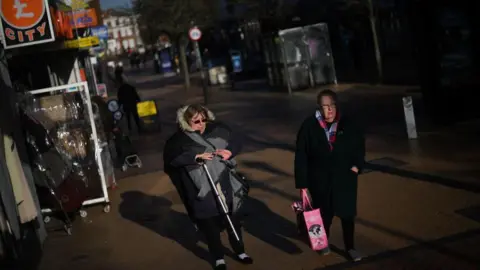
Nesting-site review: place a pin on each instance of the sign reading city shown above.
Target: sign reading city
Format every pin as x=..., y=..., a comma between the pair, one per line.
x=195, y=34
x=25, y=23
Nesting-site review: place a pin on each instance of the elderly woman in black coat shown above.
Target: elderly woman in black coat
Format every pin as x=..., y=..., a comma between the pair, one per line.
x=201, y=140
x=329, y=156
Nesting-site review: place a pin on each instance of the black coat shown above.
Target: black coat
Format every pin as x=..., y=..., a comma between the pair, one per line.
x=327, y=174
x=128, y=97
x=179, y=157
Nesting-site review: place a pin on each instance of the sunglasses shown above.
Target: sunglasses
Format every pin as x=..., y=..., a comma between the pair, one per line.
x=329, y=106
x=199, y=121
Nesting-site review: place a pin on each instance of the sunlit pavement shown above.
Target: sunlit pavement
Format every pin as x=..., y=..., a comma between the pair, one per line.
x=419, y=205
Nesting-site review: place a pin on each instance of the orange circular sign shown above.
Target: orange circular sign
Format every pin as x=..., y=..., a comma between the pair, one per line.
x=22, y=14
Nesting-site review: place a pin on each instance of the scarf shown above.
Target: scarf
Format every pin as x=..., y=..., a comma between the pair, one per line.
x=331, y=132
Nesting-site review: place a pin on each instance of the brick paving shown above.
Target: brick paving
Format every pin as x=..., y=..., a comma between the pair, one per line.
x=420, y=213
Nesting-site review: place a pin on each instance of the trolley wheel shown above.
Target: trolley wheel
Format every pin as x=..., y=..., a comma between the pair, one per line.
x=107, y=208
x=68, y=229
x=139, y=165
x=124, y=167
x=83, y=213
x=47, y=219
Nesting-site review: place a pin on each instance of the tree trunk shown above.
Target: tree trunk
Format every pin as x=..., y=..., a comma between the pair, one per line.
x=378, y=53
x=183, y=60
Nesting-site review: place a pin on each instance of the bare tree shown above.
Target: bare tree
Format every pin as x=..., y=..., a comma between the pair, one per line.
x=256, y=9
x=175, y=17
x=363, y=8
x=378, y=53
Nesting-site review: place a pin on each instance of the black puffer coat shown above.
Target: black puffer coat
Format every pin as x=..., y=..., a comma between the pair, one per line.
x=179, y=157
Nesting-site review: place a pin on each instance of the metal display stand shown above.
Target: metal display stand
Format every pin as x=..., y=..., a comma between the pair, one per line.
x=106, y=155
x=83, y=87
x=111, y=181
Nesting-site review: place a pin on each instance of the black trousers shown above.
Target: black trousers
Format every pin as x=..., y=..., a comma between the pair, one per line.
x=348, y=228
x=132, y=112
x=212, y=227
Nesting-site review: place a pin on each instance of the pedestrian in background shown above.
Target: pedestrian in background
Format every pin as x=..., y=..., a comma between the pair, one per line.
x=329, y=156
x=128, y=98
x=118, y=72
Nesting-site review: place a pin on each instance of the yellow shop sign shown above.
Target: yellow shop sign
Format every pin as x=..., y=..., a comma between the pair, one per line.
x=82, y=42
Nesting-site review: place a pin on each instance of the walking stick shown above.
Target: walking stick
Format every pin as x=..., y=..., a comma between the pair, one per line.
x=222, y=203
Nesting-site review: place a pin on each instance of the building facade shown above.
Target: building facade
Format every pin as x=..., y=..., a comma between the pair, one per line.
x=123, y=32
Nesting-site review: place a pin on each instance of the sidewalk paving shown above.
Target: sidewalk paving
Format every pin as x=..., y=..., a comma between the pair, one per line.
x=418, y=207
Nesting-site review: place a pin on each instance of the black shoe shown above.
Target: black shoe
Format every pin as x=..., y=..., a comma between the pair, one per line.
x=247, y=260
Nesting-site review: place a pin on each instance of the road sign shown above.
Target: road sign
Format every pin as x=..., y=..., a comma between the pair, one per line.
x=100, y=31
x=195, y=34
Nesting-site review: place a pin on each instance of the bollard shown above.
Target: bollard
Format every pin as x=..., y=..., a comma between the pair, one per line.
x=409, y=117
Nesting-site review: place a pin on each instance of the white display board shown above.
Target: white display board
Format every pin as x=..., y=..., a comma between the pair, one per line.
x=82, y=87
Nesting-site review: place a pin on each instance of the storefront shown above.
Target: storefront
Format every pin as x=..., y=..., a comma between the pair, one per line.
x=447, y=35
x=56, y=158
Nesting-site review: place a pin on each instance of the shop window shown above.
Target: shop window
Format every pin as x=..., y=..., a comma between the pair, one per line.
x=112, y=45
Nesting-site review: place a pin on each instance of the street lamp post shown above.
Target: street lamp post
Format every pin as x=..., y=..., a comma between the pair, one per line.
x=195, y=34
x=378, y=54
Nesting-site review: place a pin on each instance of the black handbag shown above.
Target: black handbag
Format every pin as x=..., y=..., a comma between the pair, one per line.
x=243, y=192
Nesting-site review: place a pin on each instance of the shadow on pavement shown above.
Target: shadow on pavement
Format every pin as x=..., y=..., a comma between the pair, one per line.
x=268, y=188
x=270, y=227
x=452, y=183
x=437, y=245
x=156, y=214
x=264, y=166
x=432, y=245
x=264, y=143
x=472, y=212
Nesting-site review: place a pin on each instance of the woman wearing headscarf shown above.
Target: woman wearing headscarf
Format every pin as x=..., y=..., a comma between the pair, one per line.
x=199, y=140
x=329, y=156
